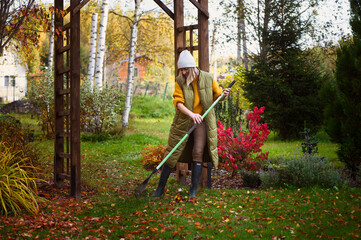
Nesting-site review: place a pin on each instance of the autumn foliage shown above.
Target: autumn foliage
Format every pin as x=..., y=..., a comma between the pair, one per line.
x=152, y=156
x=243, y=151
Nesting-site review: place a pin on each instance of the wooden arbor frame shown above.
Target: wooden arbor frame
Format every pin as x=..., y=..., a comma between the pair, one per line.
x=67, y=80
x=67, y=95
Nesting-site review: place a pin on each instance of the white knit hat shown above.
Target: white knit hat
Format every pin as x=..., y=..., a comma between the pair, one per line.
x=186, y=60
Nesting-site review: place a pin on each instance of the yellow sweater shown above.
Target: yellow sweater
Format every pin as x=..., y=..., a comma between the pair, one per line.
x=197, y=107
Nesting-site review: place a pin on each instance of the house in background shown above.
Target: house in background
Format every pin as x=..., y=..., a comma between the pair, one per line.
x=13, y=82
x=118, y=73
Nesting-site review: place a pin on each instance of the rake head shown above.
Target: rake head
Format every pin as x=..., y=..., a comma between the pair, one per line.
x=140, y=189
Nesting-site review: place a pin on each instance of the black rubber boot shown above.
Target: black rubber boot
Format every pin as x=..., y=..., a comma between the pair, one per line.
x=196, y=176
x=162, y=181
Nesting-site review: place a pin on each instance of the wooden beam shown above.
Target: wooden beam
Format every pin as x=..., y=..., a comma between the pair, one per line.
x=75, y=101
x=203, y=38
x=59, y=100
x=187, y=28
x=64, y=176
x=194, y=48
x=201, y=8
x=191, y=40
x=165, y=8
x=75, y=9
x=179, y=37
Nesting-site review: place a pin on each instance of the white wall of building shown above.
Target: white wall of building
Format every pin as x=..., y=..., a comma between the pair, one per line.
x=11, y=69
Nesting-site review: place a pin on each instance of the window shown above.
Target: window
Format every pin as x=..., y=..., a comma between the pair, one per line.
x=136, y=72
x=12, y=81
x=6, y=81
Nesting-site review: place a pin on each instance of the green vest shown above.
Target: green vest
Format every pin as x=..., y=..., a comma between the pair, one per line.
x=182, y=123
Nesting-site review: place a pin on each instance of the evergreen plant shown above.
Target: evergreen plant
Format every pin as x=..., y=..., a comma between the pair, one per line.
x=343, y=95
x=283, y=78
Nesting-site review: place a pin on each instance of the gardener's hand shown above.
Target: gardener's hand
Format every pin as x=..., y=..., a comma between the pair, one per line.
x=226, y=91
x=196, y=118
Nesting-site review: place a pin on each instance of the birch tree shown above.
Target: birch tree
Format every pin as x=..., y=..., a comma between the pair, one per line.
x=92, y=49
x=237, y=11
x=132, y=51
x=101, y=45
x=51, y=43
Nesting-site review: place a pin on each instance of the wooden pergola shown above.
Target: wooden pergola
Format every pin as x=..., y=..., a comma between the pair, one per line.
x=67, y=154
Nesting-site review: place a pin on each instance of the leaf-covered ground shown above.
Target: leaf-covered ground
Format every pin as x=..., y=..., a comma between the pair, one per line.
x=215, y=214
x=108, y=208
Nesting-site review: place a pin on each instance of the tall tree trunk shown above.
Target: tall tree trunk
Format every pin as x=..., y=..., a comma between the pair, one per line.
x=239, y=32
x=132, y=51
x=92, y=50
x=51, y=43
x=101, y=45
x=244, y=36
x=213, y=49
x=264, y=31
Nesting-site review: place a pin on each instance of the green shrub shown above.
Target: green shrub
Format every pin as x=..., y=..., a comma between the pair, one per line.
x=301, y=171
x=310, y=143
x=10, y=131
x=230, y=113
x=13, y=136
x=17, y=186
x=270, y=178
x=250, y=179
x=269, y=173
x=99, y=109
x=342, y=97
x=41, y=93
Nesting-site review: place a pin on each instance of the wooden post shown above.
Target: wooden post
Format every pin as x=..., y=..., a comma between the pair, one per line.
x=179, y=45
x=203, y=45
x=203, y=61
x=59, y=101
x=182, y=172
x=179, y=36
x=75, y=100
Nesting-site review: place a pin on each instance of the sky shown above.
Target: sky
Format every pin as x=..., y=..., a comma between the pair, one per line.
x=326, y=11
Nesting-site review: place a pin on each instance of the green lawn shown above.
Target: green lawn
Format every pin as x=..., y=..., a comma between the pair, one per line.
x=109, y=210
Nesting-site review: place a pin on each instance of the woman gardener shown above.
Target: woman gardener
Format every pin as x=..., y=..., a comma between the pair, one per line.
x=194, y=93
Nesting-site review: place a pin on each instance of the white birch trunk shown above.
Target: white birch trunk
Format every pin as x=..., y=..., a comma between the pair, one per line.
x=130, y=78
x=51, y=43
x=101, y=45
x=92, y=50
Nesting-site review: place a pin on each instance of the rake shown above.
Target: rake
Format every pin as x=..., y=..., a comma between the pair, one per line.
x=140, y=189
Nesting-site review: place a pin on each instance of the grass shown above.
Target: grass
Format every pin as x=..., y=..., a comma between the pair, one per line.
x=149, y=126
x=112, y=170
